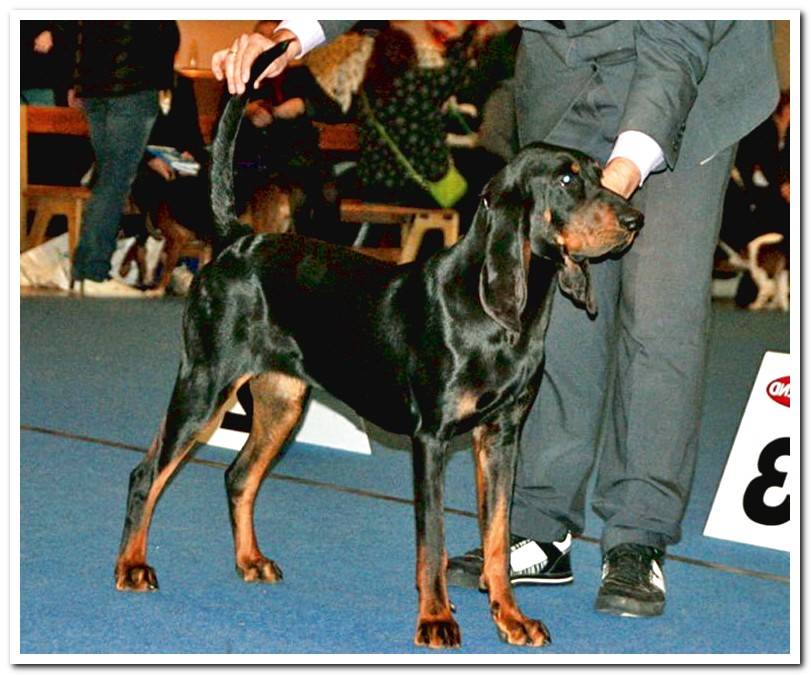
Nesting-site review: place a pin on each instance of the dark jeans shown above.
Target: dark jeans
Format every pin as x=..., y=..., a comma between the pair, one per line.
x=119, y=129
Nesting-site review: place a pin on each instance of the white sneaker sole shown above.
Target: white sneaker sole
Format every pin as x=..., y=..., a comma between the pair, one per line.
x=541, y=582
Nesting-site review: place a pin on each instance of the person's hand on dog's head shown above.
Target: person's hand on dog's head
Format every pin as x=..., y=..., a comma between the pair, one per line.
x=622, y=176
x=234, y=64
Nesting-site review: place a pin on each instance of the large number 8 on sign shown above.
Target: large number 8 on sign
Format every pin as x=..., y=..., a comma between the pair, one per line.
x=754, y=503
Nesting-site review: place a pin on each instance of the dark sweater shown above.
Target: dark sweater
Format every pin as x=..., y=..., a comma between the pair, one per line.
x=115, y=58
x=411, y=115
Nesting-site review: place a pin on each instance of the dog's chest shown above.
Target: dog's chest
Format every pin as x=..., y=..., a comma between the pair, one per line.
x=486, y=383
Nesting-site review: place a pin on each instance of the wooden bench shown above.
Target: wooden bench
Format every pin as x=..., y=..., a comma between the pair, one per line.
x=414, y=222
x=338, y=140
x=47, y=201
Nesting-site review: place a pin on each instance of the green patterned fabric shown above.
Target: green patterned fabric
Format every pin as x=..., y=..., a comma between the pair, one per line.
x=413, y=119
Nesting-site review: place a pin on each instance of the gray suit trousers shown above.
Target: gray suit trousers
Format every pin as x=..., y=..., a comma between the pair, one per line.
x=624, y=391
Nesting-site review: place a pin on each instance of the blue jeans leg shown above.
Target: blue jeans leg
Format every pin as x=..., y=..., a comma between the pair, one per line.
x=38, y=96
x=119, y=130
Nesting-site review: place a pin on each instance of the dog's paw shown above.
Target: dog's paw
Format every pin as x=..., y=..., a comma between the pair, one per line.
x=137, y=578
x=438, y=633
x=262, y=569
x=155, y=292
x=517, y=629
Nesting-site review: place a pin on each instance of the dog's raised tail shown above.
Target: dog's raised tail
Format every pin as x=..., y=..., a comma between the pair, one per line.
x=734, y=257
x=226, y=224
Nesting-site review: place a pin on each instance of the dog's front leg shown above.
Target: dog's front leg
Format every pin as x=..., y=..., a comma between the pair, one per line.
x=495, y=446
x=435, y=625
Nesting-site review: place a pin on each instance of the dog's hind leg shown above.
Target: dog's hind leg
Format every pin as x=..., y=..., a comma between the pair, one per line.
x=764, y=289
x=198, y=402
x=436, y=626
x=278, y=401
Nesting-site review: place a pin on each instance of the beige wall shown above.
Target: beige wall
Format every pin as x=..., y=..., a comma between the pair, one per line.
x=206, y=37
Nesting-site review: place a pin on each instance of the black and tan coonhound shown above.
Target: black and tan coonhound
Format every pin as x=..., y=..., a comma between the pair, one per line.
x=431, y=349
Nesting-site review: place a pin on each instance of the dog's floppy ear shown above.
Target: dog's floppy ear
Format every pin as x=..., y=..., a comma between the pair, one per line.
x=503, y=278
x=575, y=280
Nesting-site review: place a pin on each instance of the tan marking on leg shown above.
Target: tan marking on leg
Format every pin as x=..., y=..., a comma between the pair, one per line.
x=131, y=571
x=278, y=405
x=480, y=449
x=511, y=623
x=466, y=404
x=134, y=553
x=496, y=551
x=436, y=626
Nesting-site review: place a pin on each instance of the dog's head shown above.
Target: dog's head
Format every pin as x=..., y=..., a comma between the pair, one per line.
x=548, y=202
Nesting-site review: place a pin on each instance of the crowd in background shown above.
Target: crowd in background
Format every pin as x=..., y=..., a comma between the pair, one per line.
x=441, y=90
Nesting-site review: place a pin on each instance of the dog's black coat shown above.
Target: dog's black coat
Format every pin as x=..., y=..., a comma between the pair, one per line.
x=428, y=349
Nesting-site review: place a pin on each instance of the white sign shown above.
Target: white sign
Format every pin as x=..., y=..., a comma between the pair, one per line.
x=752, y=502
x=327, y=422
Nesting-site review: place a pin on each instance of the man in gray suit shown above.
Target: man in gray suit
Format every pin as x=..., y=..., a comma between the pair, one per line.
x=662, y=104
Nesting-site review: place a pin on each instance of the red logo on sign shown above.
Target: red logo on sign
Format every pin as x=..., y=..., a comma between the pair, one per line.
x=779, y=390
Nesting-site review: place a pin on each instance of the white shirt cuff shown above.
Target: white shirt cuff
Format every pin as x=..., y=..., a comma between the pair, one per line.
x=308, y=31
x=641, y=149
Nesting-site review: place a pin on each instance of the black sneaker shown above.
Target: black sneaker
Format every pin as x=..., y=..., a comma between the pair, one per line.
x=633, y=581
x=531, y=562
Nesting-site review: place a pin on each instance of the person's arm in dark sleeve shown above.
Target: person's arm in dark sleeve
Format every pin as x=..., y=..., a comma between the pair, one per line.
x=333, y=29
x=189, y=134
x=65, y=32
x=672, y=58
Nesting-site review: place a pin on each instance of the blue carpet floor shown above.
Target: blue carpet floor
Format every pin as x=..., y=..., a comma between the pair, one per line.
x=95, y=377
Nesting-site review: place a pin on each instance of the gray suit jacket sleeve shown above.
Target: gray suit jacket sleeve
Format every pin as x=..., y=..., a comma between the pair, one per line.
x=672, y=58
x=333, y=29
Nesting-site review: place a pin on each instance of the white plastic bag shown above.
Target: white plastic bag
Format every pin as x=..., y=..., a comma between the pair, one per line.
x=47, y=265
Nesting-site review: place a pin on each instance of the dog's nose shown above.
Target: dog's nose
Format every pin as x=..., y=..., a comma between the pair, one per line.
x=632, y=220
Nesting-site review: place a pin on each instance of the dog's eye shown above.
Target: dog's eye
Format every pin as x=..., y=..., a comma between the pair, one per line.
x=566, y=180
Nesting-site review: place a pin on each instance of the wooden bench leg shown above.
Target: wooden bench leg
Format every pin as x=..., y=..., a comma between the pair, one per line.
x=74, y=226
x=447, y=223
x=42, y=216
x=23, y=224
x=450, y=231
